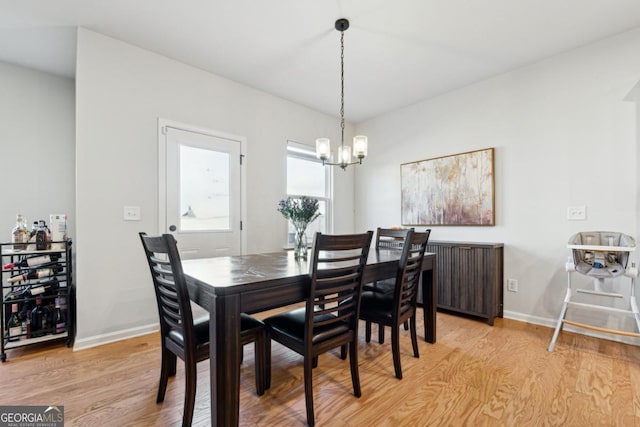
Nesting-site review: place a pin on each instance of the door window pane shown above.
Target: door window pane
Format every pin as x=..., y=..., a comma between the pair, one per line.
x=204, y=189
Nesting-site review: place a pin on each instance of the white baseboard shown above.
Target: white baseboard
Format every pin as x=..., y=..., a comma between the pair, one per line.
x=551, y=323
x=96, y=340
x=527, y=318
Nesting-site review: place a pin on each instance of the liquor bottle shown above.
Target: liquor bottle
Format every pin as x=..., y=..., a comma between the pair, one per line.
x=32, y=261
x=14, y=325
x=34, y=228
x=43, y=236
x=36, y=274
x=59, y=318
x=20, y=233
x=40, y=319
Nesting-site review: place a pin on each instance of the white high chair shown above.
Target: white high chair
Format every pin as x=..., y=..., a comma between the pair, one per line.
x=600, y=255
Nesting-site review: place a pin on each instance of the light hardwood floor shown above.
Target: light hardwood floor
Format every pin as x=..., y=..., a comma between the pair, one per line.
x=475, y=375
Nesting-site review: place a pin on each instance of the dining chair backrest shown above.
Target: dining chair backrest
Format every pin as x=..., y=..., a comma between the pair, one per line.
x=337, y=264
x=391, y=238
x=409, y=270
x=172, y=297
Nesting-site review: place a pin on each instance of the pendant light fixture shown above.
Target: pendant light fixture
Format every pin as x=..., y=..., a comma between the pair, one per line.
x=323, y=145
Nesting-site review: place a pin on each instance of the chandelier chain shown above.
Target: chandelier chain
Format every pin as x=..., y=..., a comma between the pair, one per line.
x=323, y=147
x=342, y=88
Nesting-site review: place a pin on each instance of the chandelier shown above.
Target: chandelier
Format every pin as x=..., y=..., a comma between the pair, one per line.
x=323, y=145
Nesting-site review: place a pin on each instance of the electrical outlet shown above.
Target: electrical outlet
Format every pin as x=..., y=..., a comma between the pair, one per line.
x=512, y=285
x=132, y=213
x=576, y=213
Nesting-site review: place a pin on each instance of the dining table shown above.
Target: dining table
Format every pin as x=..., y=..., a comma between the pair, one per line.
x=230, y=285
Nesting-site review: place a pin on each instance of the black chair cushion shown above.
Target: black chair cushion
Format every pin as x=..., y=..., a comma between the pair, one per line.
x=201, y=332
x=378, y=303
x=201, y=328
x=291, y=323
x=381, y=286
x=248, y=323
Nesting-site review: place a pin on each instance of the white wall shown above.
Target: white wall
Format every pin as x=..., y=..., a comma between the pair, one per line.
x=563, y=136
x=122, y=90
x=37, y=146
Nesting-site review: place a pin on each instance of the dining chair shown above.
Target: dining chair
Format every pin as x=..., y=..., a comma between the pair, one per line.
x=394, y=309
x=330, y=316
x=183, y=336
x=387, y=238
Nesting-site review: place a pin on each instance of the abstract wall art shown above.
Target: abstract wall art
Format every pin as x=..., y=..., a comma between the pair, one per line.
x=449, y=190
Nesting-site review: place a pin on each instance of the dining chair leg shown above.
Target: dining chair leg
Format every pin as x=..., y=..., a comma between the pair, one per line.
x=173, y=363
x=259, y=352
x=308, y=389
x=414, y=336
x=367, y=331
x=380, y=333
x=406, y=325
x=353, y=361
x=167, y=369
x=189, y=392
x=343, y=352
x=395, y=350
x=267, y=361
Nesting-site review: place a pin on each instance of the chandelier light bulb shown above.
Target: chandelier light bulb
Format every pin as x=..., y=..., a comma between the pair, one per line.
x=360, y=146
x=323, y=148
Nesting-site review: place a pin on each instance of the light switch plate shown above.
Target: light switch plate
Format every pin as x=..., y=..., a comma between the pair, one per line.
x=132, y=213
x=577, y=213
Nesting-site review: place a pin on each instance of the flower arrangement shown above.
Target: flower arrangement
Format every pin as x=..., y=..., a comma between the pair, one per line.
x=301, y=211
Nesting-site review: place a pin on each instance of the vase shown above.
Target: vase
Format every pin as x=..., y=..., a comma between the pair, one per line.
x=300, y=243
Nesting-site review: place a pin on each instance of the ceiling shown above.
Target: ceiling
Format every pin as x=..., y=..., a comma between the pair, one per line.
x=396, y=53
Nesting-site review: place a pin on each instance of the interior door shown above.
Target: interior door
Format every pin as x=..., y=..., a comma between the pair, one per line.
x=202, y=188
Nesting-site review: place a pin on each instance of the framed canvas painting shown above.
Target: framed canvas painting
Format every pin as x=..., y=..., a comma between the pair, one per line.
x=449, y=190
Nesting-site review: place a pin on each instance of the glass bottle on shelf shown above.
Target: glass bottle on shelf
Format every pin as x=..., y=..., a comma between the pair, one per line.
x=20, y=233
x=36, y=274
x=40, y=319
x=14, y=325
x=58, y=318
x=34, y=229
x=43, y=236
x=27, y=325
x=32, y=261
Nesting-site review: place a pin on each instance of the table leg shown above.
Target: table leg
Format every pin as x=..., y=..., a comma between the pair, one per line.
x=224, y=360
x=429, y=301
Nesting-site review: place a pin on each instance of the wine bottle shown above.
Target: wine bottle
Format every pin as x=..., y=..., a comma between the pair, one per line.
x=17, y=294
x=36, y=274
x=48, y=286
x=14, y=325
x=27, y=325
x=32, y=261
x=59, y=318
x=40, y=319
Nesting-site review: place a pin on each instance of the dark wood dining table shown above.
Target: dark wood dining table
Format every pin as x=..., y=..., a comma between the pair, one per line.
x=228, y=286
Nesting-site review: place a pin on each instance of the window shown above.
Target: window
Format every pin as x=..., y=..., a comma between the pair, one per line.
x=307, y=177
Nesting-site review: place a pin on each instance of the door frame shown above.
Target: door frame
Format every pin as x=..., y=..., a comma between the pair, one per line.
x=162, y=171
